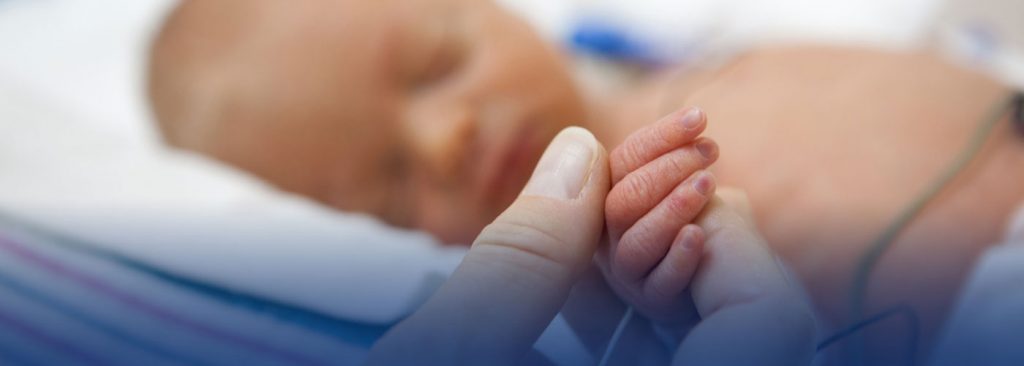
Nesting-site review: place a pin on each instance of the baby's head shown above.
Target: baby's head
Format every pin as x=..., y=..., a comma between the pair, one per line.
x=427, y=113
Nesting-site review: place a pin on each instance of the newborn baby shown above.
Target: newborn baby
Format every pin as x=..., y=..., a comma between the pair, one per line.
x=428, y=114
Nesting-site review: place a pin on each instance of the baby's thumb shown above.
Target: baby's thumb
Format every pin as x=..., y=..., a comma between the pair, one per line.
x=519, y=271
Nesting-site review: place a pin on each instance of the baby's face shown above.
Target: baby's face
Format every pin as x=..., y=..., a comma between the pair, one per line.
x=427, y=113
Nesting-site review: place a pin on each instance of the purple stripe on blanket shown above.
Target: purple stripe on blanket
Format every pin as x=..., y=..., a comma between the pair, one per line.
x=51, y=343
x=102, y=288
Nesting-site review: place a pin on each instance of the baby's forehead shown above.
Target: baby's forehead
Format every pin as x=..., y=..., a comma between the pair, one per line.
x=318, y=53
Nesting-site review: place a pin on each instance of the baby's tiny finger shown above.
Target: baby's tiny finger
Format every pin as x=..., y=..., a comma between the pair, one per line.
x=672, y=276
x=672, y=131
x=640, y=191
x=648, y=241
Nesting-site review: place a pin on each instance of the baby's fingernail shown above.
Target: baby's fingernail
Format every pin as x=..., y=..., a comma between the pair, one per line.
x=708, y=149
x=704, y=183
x=693, y=119
x=565, y=167
x=689, y=240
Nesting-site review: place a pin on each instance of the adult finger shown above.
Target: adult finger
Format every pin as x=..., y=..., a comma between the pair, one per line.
x=518, y=272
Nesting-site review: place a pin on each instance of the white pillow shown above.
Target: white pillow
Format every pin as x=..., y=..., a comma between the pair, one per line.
x=78, y=155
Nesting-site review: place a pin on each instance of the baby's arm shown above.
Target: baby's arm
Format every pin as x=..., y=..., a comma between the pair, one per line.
x=659, y=186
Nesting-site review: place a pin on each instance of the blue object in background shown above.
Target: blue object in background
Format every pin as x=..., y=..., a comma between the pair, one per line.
x=606, y=40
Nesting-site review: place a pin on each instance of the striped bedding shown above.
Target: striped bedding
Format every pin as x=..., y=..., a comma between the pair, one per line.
x=63, y=302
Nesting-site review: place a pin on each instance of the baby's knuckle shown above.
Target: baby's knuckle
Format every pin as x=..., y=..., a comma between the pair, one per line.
x=666, y=136
x=639, y=185
x=680, y=161
x=636, y=248
x=616, y=208
x=682, y=203
x=624, y=258
x=633, y=153
x=617, y=155
x=626, y=199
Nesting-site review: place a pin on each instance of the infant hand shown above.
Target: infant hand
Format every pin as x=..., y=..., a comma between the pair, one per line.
x=659, y=187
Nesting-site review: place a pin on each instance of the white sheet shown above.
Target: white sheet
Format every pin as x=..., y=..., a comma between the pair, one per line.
x=194, y=217
x=78, y=154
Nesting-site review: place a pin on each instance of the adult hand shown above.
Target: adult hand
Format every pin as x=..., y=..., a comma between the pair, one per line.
x=520, y=270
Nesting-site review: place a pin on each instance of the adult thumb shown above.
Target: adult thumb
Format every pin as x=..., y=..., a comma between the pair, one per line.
x=519, y=271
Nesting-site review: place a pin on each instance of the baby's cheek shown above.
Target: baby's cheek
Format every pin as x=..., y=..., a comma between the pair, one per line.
x=451, y=218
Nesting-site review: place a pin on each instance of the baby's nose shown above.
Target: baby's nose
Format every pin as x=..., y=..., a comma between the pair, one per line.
x=442, y=139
